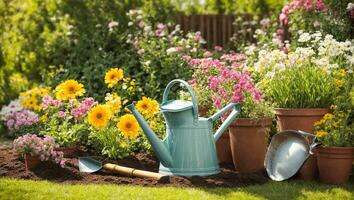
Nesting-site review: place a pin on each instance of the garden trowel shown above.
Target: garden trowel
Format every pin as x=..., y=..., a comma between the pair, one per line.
x=90, y=165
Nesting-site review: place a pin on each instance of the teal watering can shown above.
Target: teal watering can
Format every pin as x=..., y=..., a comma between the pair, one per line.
x=189, y=147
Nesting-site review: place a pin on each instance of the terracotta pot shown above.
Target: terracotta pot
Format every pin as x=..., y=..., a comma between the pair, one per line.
x=248, y=140
x=69, y=152
x=309, y=170
x=299, y=119
x=31, y=162
x=335, y=164
x=223, y=149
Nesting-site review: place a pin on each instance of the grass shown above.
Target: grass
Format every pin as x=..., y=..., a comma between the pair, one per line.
x=295, y=189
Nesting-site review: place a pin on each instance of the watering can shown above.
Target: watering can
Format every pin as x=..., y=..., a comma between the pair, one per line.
x=189, y=147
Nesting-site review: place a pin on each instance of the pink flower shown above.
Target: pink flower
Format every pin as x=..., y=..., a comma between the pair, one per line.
x=283, y=18
x=218, y=48
x=49, y=101
x=37, y=146
x=83, y=107
x=321, y=6
x=285, y=10
x=61, y=114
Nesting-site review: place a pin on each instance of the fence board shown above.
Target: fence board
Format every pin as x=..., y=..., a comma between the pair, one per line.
x=215, y=29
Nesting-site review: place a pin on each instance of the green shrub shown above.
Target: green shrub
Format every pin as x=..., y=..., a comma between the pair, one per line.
x=301, y=87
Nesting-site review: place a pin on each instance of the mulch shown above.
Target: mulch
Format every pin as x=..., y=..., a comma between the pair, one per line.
x=12, y=166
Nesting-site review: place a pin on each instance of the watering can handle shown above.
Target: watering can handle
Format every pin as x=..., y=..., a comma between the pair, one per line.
x=190, y=90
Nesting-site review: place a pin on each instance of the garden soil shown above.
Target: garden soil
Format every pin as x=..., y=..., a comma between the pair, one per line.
x=12, y=166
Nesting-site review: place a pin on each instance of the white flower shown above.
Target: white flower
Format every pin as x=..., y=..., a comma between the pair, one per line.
x=171, y=50
x=305, y=37
x=130, y=24
x=350, y=6
x=112, y=24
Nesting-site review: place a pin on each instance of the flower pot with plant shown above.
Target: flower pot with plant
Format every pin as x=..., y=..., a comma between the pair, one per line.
x=35, y=149
x=65, y=122
x=336, y=133
x=226, y=80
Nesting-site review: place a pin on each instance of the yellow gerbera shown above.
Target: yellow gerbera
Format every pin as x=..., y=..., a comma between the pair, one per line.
x=29, y=103
x=147, y=106
x=99, y=116
x=113, y=76
x=128, y=125
x=69, y=90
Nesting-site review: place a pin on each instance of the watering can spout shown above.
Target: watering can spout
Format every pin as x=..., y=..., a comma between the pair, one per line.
x=160, y=148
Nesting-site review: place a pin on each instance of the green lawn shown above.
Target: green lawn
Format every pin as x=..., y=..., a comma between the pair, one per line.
x=23, y=189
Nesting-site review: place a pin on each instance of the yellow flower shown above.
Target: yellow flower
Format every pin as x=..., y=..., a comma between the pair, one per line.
x=339, y=83
x=44, y=118
x=99, y=116
x=321, y=133
x=69, y=90
x=332, y=107
x=328, y=116
x=147, y=106
x=113, y=102
x=153, y=125
x=29, y=103
x=113, y=76
x=128, y=125
x=335, y=124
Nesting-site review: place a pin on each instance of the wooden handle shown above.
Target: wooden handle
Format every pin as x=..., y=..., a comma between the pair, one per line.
x=127, y=171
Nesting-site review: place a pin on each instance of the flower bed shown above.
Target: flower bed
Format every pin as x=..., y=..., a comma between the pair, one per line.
x=11, y=166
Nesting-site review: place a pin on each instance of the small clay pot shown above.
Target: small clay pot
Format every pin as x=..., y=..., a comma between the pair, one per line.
x=248, y=140
x=335, y=164
x=68, y=152
x=31, y=162
x=223, y=149
x=299, y=119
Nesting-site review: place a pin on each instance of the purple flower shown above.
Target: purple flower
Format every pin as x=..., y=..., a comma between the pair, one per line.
x=21, y=118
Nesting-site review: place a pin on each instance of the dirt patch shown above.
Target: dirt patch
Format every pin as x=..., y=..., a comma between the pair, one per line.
x=11, y=166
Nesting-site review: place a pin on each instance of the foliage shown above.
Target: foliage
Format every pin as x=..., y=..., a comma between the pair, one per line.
x=41, y=147
x=301, y=87
x=39, y=38
x=257, y=7
x=328, y=17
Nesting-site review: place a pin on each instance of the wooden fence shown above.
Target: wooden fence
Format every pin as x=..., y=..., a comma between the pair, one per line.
x=215, y=29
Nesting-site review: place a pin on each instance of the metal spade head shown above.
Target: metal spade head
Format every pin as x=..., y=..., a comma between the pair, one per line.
x=89, y=165
x=287, y=152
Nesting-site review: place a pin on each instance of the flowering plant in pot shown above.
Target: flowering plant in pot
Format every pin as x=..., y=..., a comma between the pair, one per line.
x=64, y=116
x=35, y=149
x=301, y=83
x=227, y=80
x=335, y=131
